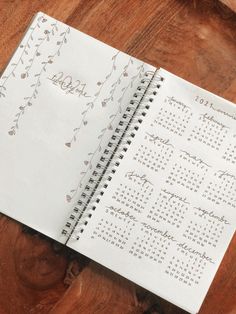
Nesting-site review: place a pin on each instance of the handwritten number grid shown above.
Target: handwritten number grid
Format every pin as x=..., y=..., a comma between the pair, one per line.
x=174, y=116
x=135, y=196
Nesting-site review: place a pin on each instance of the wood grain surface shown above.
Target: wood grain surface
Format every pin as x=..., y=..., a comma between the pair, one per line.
x=230, y=3
x=193, y=39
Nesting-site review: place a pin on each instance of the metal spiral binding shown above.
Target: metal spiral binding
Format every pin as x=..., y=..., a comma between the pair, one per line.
x=110, y=159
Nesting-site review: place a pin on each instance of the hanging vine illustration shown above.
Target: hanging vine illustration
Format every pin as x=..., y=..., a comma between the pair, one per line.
x=25, y=52
x=37, y=52
x=114, y=86
x=36, y=85
x=90, y=105
x=89, y=162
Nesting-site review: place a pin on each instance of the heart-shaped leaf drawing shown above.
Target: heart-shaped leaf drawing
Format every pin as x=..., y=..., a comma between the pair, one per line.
x=68, y=198
x=12, y=132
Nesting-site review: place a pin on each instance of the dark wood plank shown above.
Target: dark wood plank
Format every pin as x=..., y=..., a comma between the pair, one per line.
x=193, y=39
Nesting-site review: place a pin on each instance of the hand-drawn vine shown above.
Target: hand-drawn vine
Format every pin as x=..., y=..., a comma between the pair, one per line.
x=110, y=126
x=24, y=52
x=117, y=83
x=37, y=84
x=38, y=46
x=90, y=105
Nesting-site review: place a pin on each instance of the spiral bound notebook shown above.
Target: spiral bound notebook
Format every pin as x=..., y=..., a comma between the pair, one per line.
x=125, y=163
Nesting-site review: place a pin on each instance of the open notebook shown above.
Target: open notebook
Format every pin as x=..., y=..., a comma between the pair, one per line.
x=128, y=164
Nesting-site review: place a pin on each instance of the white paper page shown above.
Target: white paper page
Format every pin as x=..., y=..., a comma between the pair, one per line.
x=61, y=96
x=168, y=214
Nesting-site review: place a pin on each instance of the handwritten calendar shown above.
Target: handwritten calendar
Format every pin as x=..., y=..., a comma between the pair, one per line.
x=229, y=154
x=169, y=207
x=173, y=116
x=209, y=131
x=172, y=208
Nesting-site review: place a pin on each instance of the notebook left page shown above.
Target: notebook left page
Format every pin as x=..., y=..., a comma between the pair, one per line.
x=61, y=96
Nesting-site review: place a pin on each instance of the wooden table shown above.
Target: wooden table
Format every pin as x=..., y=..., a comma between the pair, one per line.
x=193, y=39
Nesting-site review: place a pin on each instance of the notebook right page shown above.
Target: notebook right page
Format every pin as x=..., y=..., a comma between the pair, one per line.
x=168, y=214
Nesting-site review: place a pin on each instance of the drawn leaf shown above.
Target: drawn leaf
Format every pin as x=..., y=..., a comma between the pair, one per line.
x=68, y=198
x=12, y=132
